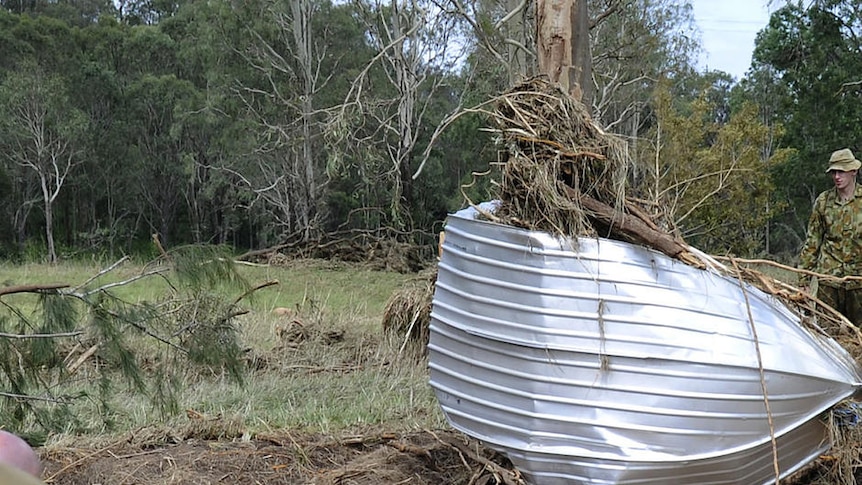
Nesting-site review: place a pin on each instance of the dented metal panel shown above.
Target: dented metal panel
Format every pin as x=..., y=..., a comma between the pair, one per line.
x=597, y=361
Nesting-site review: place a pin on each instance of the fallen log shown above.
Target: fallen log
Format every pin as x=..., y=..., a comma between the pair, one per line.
x=629, y=227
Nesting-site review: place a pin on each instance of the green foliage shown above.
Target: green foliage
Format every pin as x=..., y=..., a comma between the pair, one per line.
x=204, y=125
x=713, y=176
x=634, y=44
x=79, y=12
x=326, y=367
x=41, y=132
x=208, y=266
x=198, y=131
x=56, y=315
x=149, y=344
x=807, y=64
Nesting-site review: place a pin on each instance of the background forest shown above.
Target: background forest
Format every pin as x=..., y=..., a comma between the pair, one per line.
x=255, y=123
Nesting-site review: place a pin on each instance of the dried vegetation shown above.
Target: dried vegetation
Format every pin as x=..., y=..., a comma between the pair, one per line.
x=564, y=175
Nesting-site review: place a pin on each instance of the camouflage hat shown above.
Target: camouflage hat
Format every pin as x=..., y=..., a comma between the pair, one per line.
x=843, y=160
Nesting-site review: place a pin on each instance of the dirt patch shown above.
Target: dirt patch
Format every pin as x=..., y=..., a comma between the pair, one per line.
x=426, y=457
x=439, y=457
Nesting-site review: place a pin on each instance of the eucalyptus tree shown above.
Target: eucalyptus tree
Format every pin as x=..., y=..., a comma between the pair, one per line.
x=634, y=44
x=31, y=45
x=43, y=134
x=563, y=46
x=286, y=50
x=631, y=44
x=102, y=190
x=359, y=77
x=708, y=171
x=78, y=13
x=156, y=152
x=522, y=38
x=416, y=45
x=211, y=123
x=147, y=12
x=502, y=31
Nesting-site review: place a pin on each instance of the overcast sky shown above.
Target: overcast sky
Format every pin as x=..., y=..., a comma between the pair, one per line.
x=728, y=28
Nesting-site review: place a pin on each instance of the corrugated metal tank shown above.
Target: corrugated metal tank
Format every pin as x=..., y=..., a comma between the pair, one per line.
x=600, y=362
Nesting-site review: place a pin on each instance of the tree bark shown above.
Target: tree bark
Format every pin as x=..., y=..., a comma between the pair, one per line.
x=563, y=46
x=39, y=288
x=628, y=227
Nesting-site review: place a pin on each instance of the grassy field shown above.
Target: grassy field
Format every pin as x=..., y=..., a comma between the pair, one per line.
x=328, y=397
x=317, y=359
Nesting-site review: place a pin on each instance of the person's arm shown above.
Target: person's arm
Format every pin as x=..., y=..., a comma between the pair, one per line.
x=811, y=249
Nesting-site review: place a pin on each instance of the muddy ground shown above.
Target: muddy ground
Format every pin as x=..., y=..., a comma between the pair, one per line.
x=426, y=457
x=429, y=457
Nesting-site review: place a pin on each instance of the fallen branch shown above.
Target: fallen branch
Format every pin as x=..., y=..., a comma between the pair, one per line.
x=102, y=272
x=52, y=287
x=628, y=226
x=83, y=358
x=26, y=397
x=260, y=286
x=22, y=336
x=820, y=276
x=509, y=477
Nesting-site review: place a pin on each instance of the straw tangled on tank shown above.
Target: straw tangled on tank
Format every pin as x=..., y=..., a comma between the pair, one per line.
x=565, y=175
x=552, y=144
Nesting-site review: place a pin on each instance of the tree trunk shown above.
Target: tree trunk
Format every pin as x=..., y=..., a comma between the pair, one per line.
x=49, y=221
x=302, y=13
x=49, y=233
x=627, y=227
x=563, y=46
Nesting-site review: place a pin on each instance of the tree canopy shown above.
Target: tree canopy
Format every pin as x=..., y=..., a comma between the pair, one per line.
x=258, y=123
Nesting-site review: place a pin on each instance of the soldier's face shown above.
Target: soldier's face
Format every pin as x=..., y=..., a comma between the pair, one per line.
x=843, y=179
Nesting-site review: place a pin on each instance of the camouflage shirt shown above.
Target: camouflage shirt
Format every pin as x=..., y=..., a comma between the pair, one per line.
x=834, y=243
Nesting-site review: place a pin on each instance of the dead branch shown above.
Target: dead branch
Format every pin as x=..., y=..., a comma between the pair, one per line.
x=83, y=358
x=261, y=286
x=413, y=450
x=26, y=397
x=632, y=227
x=159, y=246
x=640, y=214
x=117, y=283
x=19, y=336
x=820, y=276
x=509, y=477
x=46, y=288
x=262, y=252
x=102, y=273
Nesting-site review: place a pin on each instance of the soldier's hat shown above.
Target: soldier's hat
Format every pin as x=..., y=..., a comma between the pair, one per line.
x=843, y=160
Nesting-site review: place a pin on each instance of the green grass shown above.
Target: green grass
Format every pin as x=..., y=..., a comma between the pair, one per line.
x=341, y=290
x=327, y=367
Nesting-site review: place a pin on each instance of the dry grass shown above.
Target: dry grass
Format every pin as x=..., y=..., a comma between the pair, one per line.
x=321, y=363
x=320, y=370
x=407, y=317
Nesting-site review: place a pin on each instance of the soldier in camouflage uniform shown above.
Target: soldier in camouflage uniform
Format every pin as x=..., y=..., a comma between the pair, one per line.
x=834, y=243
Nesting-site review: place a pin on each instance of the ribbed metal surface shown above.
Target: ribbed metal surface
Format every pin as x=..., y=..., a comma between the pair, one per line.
x=610, y=363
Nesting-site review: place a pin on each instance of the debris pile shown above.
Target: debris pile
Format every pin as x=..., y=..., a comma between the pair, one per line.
x=564, y=175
